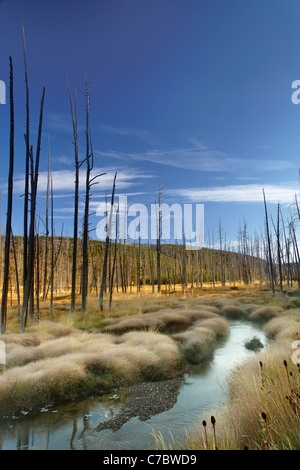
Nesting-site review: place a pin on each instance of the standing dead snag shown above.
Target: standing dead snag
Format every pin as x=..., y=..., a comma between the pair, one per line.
x=27, y=159
x=89, y=165
x=269, y=246
x=46, y=226
x=76, y=199
x=17, y=273
x=37, y=291
x=107, y=241
x=279, y=251
x=111, y=281
x=88, y=184
x=52, y=252
x=30, y=266
x=158, y=241
x=9, y=206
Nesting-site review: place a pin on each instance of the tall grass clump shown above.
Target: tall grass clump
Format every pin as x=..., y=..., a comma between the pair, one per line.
x=198, y=341
x=64, y=368
x=262, y=314
x=286, y=326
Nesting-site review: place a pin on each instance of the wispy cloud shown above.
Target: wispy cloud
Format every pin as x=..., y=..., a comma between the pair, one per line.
x=63, y=180
x=202, y=158
x=283, y=194
x=188, y=153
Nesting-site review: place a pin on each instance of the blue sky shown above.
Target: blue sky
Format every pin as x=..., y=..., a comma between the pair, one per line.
x=194, y=94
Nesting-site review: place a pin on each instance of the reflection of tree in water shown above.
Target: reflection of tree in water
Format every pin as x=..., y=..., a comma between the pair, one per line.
x=70, y=422
x=23, y=439
x=35, y=429
x=72, y=446
x=86, y=426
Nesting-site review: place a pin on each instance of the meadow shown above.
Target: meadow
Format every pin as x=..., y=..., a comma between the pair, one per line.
x=148, y=338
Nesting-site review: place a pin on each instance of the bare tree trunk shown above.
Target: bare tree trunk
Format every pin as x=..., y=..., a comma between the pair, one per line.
x=132, y=265
x=52, y=253
x=9, y=207
x=32, y=248
x=111, y=286
x=46, y=226
x=94, y=270
x=107, y=241
x=17, y=274
x=29, y=274
x=37, y=276
x=85, y=254
x=76, y=202
x=269, y=246
x=279, y=252
x=158, y=242
x=26, y=194
x=138, y=277
x=151, y=266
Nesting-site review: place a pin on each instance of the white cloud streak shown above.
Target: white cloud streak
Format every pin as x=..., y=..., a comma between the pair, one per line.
x=201, y=158
x=63, y=180
x=251, y=193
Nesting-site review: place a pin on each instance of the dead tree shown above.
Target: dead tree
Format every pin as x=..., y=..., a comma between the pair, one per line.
x=52, y=253
x=37, y=289
x=111, y=285
x=158, y=240
x=150, y=255
x=279, y=250
x=9, y=206
x=138, y=272
x=76, y=200
x=88, y=184
x=85, y=253
x=296, y=251
x=17, y=273
x=107, y=242
x=32, y=253
x=30, y=264
x=27, y=160
x=269, y=246
x=46, y=226
x=287, y=250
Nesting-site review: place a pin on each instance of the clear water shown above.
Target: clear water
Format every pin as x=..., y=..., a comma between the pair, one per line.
x=72, y=426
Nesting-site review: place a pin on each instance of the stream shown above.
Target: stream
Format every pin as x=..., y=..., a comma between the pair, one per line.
x=83, y=424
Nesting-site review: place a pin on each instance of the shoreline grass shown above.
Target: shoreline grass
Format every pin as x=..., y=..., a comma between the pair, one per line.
x=145, y=339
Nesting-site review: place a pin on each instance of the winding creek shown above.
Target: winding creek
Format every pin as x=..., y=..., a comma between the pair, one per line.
x=86, y=424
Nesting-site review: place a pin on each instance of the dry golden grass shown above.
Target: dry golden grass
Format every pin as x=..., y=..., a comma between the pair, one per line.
x=61, y=368
x=197, y=341
x=66, y=358
x=265, y=313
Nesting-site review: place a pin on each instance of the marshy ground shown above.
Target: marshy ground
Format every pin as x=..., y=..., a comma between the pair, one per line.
x=148, y=340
